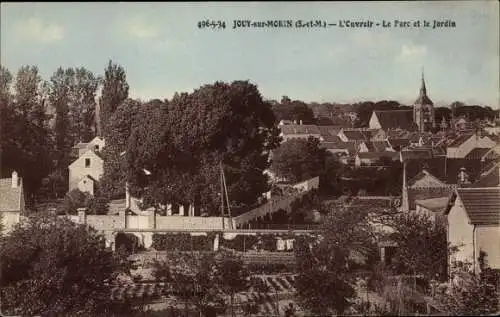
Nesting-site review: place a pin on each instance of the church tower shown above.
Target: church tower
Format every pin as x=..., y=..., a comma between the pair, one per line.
x=423, y=110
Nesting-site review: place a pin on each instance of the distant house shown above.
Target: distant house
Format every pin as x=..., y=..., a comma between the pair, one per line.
x=96, y=144
x=392, y=119
x=299, y=131
x=464, y=144
x=363, y=134
x=328, y=131
x=335, y=145
x=374, y=146
x=86, y=171
x=473, y=218
x=421, y=188
x=12, y=204
x=374, y=158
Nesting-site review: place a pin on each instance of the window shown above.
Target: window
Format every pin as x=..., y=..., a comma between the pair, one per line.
x=96, y=147
x=87, y=162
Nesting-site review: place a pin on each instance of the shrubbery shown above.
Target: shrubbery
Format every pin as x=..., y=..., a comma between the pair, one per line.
x=182, y=242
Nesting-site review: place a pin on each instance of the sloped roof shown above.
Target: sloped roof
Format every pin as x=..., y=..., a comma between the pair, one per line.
x=376, y=146
x=490, y=177
x=479, y=153
x=481, y=204
x=80, y=145
x=10, y=198
x=354, y=134
x=460, y=140
x=425, y=177
x=416, y=154
x=300, y=129
x=90, y=151
x=329, y=130
x=398, y=143
x=392, y=119
x=377, y=155
x=434, y=204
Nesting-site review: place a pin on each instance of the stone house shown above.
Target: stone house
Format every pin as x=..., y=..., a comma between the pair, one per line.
x=12, y=203
x=86, y=171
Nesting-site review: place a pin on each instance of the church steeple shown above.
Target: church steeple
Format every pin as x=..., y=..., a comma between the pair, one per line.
x=423, y=90
x=423, y=109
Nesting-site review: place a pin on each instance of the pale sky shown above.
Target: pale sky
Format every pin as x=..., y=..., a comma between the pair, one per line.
x=164, y=51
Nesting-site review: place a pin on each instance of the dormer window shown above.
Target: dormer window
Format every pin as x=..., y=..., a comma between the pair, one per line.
x=87, y=163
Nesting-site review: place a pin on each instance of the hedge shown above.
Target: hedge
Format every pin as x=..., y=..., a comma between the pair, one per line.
x=182, y=242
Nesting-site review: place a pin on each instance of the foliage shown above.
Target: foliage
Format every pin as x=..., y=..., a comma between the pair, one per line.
x=325, y=280
x=182, y=242
x=52, y=266
x=298, y=159
x=183, y=145
x=128, y=241
x=422, y=245
x=24, y=128
x=120, y=123
x=468, y=294
x=72, y=201
x=365, y=110
x=114, y=92
x=233, y=275
x=97, y=205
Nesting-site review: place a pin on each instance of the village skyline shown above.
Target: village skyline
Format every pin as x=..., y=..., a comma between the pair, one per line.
x=164, y=51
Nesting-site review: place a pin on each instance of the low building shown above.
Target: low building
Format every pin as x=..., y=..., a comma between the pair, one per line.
x=12, y=204
x=464, y=144
x=473, y=220
x=299, y=131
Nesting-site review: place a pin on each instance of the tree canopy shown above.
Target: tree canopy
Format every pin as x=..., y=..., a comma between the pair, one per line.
x=52, y=266
x=183, y=145
x=298, y=159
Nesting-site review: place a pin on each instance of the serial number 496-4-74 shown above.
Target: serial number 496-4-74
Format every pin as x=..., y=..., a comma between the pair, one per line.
x=211, y=24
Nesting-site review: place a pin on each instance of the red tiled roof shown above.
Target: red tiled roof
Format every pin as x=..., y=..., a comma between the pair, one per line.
x=482, y=205
x=10, y=198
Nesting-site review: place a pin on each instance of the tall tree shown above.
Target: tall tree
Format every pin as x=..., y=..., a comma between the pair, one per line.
x=60, y=99
x=114, y=92
x=83, y=104
x=121, y=123
x=422, y=245
x=185, y=144
x=325, y=283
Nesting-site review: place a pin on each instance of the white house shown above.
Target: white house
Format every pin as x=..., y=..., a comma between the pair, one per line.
x=473, y=217
x=86, y=171
x=96, y=144
x=11, y=201
x=464, y=144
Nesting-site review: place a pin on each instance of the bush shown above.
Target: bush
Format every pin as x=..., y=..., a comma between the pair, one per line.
x=182, y=242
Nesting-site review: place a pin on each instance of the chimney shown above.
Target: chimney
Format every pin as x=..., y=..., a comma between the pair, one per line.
x=127, y=196
x=463, y=178
x=15, y=179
